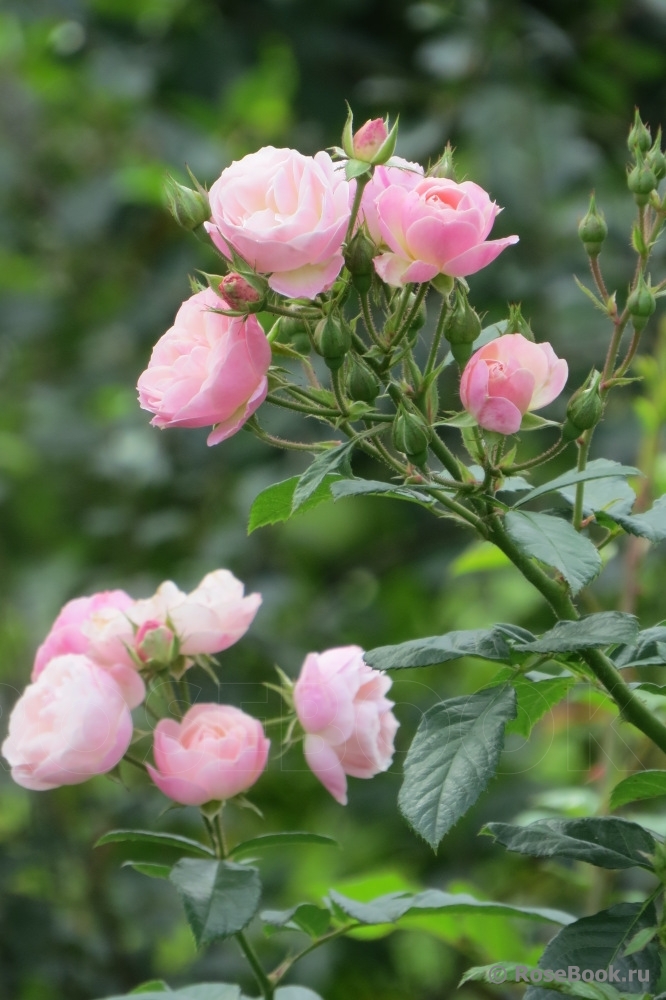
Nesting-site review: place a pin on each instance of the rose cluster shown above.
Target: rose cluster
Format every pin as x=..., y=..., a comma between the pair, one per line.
x=285, y=225
x=74, y=720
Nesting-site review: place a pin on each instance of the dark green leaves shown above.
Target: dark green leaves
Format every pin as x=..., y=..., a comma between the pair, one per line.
x=220, y=897
x=599, y=942
x=556, y=543
x=313, y=920
x=648, y=649
x=452, y=758
x=490, y=644
x=650, y=525
x=335, y=460
x=607, y=842
x=275, y=503
x=182, y=844
x=287, y=839
x=370, y=487
x=642, y=785
x=591, y=632
x=601, y=468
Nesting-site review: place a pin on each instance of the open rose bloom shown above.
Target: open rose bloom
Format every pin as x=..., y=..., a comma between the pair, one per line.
x=436, y=227
x=341, y=704
x=208, y=369
x=214, y=753
x=509, y=377
x=286, y=214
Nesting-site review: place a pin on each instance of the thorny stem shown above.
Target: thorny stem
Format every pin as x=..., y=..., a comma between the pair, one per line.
x=369, y=322
x=541, y=459
x=437, y=337
x=405, y=324
x=446, y=457
x=356, y=204
x=583, y=451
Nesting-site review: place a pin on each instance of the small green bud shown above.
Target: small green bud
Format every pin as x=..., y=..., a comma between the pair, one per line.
x=358, y=258
x=462, y=325
x=332, y=338
x=293, y=331
x=411, y=436
x=517, y=323
x=641, y=181
x=444, y=167
x=655, y=159
x=639, y=139
x=593, y=230
x=362, y=383
x=585, y=408
x=189, y=208
x=641, y=304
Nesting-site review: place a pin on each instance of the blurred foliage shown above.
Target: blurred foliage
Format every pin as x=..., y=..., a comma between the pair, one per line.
x=102, y=97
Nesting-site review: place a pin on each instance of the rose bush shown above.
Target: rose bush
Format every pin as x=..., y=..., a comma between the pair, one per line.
x=72, y=723
x=214, y=753
x=207, y=369
x=286, y=214
x=509, y=377
x=437, y=227
x=340, y=703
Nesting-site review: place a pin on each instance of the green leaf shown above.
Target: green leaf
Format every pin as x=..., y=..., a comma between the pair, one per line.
x=314, y=920
x=642, y=785
x=453, y=756
x=295, y=993
x=556, y=543
x=154, y=986
x=649, y=649
x=597, y=942
x=640, y=940
x=463, y=419
x=335, y=460
x=604, y=841
x=489, y=644
x=606, y=628
x=160, y=839
x=203, y=991
x=535, y=698
x=149, y=868
x=602, y=468
x=368, y=487
x=602, y=495
x=275, y=503
x=392, y=907
x=650, y=525
x=220, y=897
x=533, y=422
x=287, y=839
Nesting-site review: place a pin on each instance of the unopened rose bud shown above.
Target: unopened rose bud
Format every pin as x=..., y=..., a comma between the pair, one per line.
x=411, y=436
x=639, y=138
x=656, y=160
x=156, y=642
x=593, y=230
x=641, y=181
x=362, y=383
x=243, y=294
x=427, y=399
x=358, y=258
x=332, y=340
x=517, y=323
x=444, y=167
x=641, y=304
x=585, y=408
x=369, y=139
x=461, y=328
x=293, y=331
x=189, y=208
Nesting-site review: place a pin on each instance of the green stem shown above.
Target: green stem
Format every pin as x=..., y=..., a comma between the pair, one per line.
x=369, y=322
x=598, y=278
x=336, y=382
x=356, y=204
x=279, y=442
x=135, y=761
x=285, y=966
x=583, y=451
x=290, y=404
x=439, y=330
x=541, y=459
x=264, y=983
x=446, y=457
x=273, y=307
x=404, y=325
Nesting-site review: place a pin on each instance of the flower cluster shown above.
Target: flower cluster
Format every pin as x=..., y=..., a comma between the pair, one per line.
x=74, y=720
x=294, y=232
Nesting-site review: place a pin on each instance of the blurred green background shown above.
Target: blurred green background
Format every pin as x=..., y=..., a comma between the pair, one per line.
x=100, y=99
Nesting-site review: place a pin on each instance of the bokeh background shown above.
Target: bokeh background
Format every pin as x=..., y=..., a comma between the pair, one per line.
x=100, y=99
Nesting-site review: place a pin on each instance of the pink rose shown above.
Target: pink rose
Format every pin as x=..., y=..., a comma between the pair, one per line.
x=98, y=627
x=70, y=725
x=340, y=702
x=286, y=214
x=214, y=615
x=216, y=752
x=402, y=173
x=438, y=227
x=207, y=369
x=507, y=377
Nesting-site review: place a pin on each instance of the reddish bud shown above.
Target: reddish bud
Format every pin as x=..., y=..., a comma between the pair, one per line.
x=241, y=294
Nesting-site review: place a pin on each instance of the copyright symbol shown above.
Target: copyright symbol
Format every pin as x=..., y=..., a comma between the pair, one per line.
x=497, y=974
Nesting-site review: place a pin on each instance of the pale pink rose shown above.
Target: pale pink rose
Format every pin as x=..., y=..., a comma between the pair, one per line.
x=437, y=227
x=214, y=753
x=286, y=214
x=508, y=377
x=98, y=627
x=402, y=173
x=340, y=702
x=214, y=615
x=70, y=725
x=207, y=369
